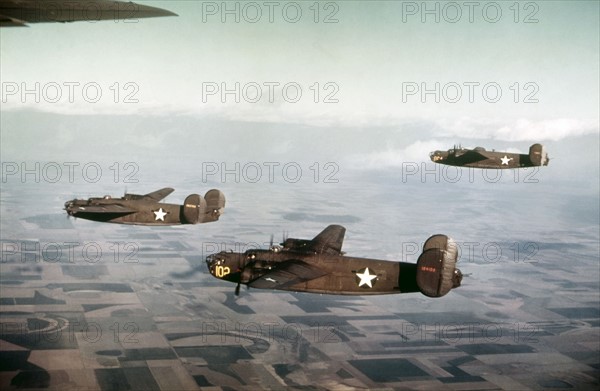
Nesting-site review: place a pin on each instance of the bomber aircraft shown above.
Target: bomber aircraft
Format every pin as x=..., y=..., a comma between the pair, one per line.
x=18, y=13
x=480, y=158
x=147, y=210
x=320, y=266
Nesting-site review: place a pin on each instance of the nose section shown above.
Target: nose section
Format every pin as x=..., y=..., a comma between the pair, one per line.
x=210, y=262
x=69, y=207
x=223, y=265
x=436, y=156
x=216, y=260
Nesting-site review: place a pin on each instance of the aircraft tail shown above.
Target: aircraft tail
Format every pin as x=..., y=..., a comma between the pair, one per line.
x=436, y=267
x=197, y=209
x=192, y=208
x=215, y=205
x=538, y=155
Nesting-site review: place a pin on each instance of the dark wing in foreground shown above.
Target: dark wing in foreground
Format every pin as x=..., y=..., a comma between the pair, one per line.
x=19, y=13
x=105, y=209
x=286, y=274
x=7, y=21
x=159, y=194
x=329, y=241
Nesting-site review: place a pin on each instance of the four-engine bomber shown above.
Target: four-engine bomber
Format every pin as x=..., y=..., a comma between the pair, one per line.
x=147, y=210
x=319, y=266
x=480, y=158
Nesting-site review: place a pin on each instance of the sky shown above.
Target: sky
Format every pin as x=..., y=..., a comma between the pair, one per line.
x=375, y=82
x=379, y=57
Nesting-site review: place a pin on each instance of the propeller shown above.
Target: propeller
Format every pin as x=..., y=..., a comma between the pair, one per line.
x=243, y=268
x=237, y=287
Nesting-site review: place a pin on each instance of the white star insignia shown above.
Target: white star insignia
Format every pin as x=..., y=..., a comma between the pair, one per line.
x=159, y=214
x=505, y=160
x=366, y=278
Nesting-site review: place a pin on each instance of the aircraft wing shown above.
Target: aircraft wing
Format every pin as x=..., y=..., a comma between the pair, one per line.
x=159, y=194
x=474, y=155
x=7, y=21
x=286, y=274
x=21, y=12
x=114, y=208
x=329, y=241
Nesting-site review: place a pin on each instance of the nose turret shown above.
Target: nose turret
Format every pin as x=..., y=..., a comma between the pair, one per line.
x=224, y=265
x=69, y=207
x=212, y=261
x=437, y=156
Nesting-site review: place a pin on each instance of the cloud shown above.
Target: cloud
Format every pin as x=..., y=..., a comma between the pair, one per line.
x=331, y=116
x=519, y=130
x=395, y=157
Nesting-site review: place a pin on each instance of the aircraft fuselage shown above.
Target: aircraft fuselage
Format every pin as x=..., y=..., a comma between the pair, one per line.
x=147, y=213
x=343, y=274
x=291, y=269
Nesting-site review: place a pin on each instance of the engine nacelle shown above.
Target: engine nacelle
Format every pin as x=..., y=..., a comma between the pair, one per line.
x=436, y=267
x=538, y=155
